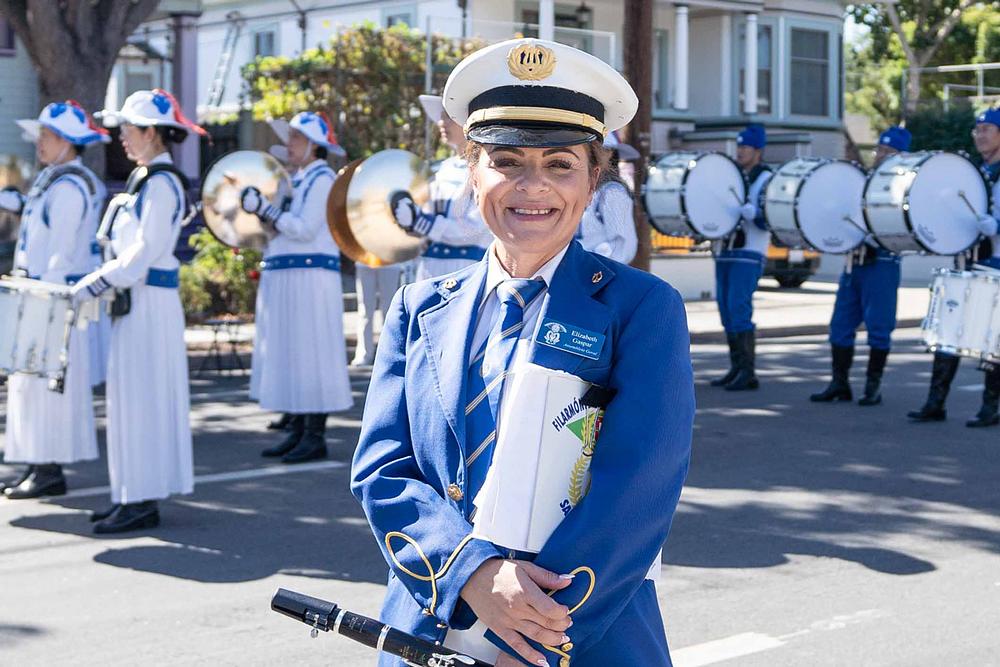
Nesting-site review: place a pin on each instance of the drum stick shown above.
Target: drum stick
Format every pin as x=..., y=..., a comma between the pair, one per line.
x=851, y=220
x=736, y=195
x=972, y=209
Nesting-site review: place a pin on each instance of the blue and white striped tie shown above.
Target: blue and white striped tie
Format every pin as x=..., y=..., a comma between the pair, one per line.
x=487, y=371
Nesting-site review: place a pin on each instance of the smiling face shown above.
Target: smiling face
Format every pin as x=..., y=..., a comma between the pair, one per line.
x=51, y=148
x=532, y=199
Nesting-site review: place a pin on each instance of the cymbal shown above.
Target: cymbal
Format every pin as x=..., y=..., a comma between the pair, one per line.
x=14, y=172
x=220, y=196
x=359, y=211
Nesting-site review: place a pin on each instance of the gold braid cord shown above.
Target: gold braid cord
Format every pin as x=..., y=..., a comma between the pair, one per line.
x=586, y=596
x=432, y=576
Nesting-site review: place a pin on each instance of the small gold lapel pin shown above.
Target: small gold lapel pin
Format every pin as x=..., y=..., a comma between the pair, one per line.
x=597, y=277
x=449, y=284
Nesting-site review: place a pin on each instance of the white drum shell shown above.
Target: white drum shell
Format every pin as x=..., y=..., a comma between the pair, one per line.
x=35, y=322
x=912, y=203
x=814, y=202
x=964, y=314
x=695, y=194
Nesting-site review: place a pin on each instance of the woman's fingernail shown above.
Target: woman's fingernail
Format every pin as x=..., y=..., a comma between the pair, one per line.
x=566, y=576
x=565, y=639
x=541, y=662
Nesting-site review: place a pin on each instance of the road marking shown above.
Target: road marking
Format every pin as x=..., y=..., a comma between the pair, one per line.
x=236, y=475
x=712, y=652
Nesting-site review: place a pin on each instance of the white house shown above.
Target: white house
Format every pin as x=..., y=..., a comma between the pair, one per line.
x=700, y=71
x=18, y=94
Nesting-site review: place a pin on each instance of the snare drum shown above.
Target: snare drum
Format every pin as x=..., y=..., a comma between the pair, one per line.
x=814, y=202
x=36, y=319
x=694, y=194
x=914, y=202
x=964, y=314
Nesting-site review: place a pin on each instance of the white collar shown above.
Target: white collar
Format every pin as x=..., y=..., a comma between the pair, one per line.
x=496, y=274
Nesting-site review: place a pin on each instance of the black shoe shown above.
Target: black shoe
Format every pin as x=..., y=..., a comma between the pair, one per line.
x=728, y=377
x=839, y=388
x=312, y=446
x=20, y=478
x=296, y=428
x=745, y=357
x=44, y=480
x=873, y=379
x=989, y=413
x=132, y=516
x=101, y=515
x=942, y=373
x=280, y=424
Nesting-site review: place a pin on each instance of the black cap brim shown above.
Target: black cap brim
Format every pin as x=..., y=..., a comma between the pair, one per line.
x=537, y=135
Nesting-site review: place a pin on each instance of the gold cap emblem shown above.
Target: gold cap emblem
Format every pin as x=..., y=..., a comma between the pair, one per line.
x=531, y=62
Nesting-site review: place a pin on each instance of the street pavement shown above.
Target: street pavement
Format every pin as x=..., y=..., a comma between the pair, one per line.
x=806, y=535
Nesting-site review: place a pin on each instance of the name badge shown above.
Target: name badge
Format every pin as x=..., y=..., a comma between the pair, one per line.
x=570, y=338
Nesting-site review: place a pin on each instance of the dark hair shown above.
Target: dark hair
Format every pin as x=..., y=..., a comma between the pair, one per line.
x=171, y=135
x=610, y=172
x=321, y=152
x=79, y=148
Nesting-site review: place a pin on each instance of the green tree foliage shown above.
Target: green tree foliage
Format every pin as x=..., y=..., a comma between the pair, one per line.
x=220, y=280
x=940, y=129
x=877, y=63
x=366, y=79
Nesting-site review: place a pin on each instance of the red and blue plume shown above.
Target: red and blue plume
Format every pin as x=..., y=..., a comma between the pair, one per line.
x=86, y=117
x=179, y=116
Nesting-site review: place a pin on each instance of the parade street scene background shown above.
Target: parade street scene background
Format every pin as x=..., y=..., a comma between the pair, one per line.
x=211, y=213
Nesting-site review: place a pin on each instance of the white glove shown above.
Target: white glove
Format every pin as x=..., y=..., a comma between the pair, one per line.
x=748, y=212
x=604, y=249
x=986, y=224
x=89, y=287
x=11, y=200
x=405, y=212
x=254, y=202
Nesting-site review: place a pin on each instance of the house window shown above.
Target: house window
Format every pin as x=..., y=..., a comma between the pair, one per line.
x=810, y=76
x=763, y=68
x=661, y=71
x=7, y=45
x=263, y=44
x=569, y=21
x=399, y=16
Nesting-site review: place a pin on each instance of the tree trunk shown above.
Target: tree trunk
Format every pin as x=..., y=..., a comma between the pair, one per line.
x=73, y=45
x=913, y=74
x=638, y=41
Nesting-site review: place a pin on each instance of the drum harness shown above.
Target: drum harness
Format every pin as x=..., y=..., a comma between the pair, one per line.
x=122, y=303
x=738, y=238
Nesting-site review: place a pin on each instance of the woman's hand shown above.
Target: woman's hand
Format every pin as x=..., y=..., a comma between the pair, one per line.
x=507, y=597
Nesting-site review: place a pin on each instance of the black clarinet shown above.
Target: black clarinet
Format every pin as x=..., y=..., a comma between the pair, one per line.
x=322, y=615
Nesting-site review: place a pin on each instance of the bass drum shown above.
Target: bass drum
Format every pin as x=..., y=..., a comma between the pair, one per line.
x=815, y=202
x=694, y=194
x=914, y=202
x=964, y=314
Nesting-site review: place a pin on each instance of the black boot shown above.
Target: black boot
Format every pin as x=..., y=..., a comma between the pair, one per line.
x=728, y=377
x=20, y=478
x=44, y=480
x=296, y=427
x=101, y=515
x=745, y=376
x=282, y=423
x=943, y=372
x=988, y=413
x=839, y=388
x=313, y=443
x=873, y=380
x=131, y=516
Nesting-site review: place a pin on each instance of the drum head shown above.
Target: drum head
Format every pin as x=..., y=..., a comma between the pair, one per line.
x=828, y=208
x=714, y=192
x=937, y=215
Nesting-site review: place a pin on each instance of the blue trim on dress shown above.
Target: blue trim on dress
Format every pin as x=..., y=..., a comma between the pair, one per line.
x=312, y=261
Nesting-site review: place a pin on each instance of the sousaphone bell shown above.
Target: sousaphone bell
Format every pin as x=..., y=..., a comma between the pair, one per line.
x=359, y=209
x=220, y=197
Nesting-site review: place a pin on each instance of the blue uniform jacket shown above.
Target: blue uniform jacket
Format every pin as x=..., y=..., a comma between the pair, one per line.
x=409, y=472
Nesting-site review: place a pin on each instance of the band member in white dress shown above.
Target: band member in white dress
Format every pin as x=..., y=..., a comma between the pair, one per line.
x=47, y=429
x=149, y=434
x=608, y=224
x=299, y=357
x=451, y=222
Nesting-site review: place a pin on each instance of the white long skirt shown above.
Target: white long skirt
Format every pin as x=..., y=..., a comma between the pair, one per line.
x=149, y=433
x=432, y=267
x=299, y=354
x=44, y=426
x=99, y=335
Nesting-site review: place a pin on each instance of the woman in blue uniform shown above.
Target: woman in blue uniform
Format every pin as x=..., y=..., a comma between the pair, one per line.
x=535, y=113
x=866, y=293
x=986, y=135
x=740, y=264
